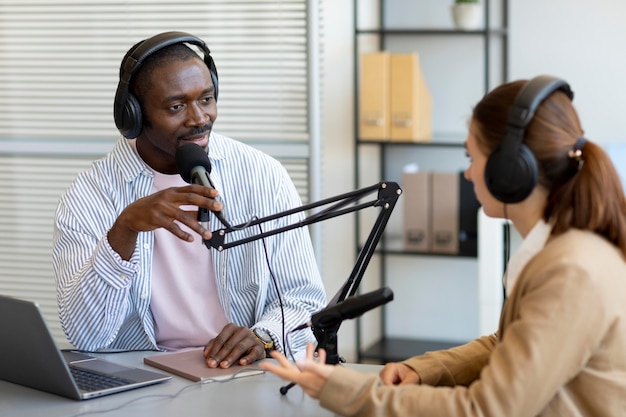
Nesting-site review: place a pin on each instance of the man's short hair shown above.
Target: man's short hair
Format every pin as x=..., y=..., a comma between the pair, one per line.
x=141, y=81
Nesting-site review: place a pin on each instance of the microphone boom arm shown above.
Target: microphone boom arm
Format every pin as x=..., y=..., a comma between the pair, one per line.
x=387, y=196
x=388, y=193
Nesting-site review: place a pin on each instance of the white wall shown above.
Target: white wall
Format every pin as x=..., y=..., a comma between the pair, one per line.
x=577, y=40
x=582, y=42
x=337, y=149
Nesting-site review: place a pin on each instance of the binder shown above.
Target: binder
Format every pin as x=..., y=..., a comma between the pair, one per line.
x=445, y=208
x=374, y=110
x=411, y=101
x=454, y=214
x=468, y=218
x=417, y=233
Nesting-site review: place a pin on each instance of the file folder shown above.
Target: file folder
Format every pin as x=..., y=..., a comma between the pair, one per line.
x=468, y=218
x=374, y=111
x=417, y=211
x=445, y=207
x=455, y=212
x=411, y=101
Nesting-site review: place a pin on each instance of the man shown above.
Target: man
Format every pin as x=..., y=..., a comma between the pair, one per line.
x=131, y=269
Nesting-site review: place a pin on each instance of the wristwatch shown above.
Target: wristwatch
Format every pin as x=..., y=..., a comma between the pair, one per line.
x=264, y=337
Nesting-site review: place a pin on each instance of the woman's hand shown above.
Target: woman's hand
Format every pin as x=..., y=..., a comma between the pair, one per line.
x=307, y=373
x=396, y=373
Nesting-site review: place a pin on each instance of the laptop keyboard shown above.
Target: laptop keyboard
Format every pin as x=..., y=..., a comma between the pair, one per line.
x=93, y=381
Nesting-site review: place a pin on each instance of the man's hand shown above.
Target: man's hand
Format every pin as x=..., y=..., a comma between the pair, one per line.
x=162, y=210
x=234, y=344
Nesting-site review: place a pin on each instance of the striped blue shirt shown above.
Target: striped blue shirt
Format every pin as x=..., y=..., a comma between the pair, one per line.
x=104, y=301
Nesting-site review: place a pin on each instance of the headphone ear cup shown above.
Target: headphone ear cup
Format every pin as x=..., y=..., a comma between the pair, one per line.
x=511, y=171
x=511, y=177
x=132, y=117
x=130, y=122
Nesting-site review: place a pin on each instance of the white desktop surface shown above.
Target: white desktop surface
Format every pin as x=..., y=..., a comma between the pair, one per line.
x=245, y=396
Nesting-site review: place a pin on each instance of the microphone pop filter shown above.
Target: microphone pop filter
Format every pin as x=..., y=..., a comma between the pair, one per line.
x=189, y=156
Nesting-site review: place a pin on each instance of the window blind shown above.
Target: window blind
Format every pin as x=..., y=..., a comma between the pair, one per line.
x=30, y=187
x=59, y=64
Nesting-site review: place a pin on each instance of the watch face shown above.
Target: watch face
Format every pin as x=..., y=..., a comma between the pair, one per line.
x=263, y=335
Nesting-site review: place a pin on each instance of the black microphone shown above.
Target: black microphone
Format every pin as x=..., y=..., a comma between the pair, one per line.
x=194, y=166
x=350, y=308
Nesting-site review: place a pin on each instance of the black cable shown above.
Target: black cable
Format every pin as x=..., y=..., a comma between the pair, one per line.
x=285, y=388
x=288, y=352
x=280, y=299
x=507, y=252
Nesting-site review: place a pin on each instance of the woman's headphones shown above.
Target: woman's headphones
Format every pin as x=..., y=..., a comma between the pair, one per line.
x=511, y=172
x=126, y=107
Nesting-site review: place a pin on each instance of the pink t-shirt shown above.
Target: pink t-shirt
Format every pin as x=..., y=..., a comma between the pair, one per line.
x=184, y=302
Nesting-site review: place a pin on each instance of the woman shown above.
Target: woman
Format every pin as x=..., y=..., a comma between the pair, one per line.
x=560, y=349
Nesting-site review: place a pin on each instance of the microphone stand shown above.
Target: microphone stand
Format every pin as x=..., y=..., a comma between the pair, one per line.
x=386, y=198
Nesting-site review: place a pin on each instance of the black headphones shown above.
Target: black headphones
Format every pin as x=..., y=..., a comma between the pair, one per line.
x=126, y=108
x=511, y=171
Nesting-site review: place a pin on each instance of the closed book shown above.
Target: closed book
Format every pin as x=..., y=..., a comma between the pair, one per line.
x=191, y=364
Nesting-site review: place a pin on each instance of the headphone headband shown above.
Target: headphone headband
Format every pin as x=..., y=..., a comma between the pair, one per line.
x=126, y=107
x=511, y=171
x=532, y=94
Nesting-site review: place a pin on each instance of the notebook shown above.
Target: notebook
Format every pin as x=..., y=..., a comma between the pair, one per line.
x=29, y=356
x=191, y=364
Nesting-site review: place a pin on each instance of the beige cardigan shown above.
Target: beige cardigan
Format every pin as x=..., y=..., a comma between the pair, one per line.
x=560, y=349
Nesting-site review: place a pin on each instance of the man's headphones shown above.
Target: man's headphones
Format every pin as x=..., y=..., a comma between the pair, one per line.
x=511, y=171
x=126, y=107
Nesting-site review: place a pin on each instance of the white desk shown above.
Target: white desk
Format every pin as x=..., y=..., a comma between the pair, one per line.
x=246, y=396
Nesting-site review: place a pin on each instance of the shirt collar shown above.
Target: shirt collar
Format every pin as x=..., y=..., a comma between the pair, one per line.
x=530, y=246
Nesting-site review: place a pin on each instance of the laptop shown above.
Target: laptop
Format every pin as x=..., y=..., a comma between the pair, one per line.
x=29, y=356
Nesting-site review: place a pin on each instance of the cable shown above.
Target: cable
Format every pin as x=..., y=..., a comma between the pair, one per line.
x=167, y=396
x=108, y=351
x=285, y=388
x=507, y=252
x=288, y=352
x=274, y=282
x=243, y=226
x=280, y=299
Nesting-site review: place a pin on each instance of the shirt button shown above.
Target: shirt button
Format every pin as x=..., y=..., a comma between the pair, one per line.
x=144, y=296
x=146, y=246
x=124, y=277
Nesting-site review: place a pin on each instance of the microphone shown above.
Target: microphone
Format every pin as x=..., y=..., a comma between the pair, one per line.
x=194, y=166
x=350, y=308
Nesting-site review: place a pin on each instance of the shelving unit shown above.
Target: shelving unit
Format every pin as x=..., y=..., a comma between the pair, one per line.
x=444, y=147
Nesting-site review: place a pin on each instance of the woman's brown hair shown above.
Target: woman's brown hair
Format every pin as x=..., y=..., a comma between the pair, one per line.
x=585, y=191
